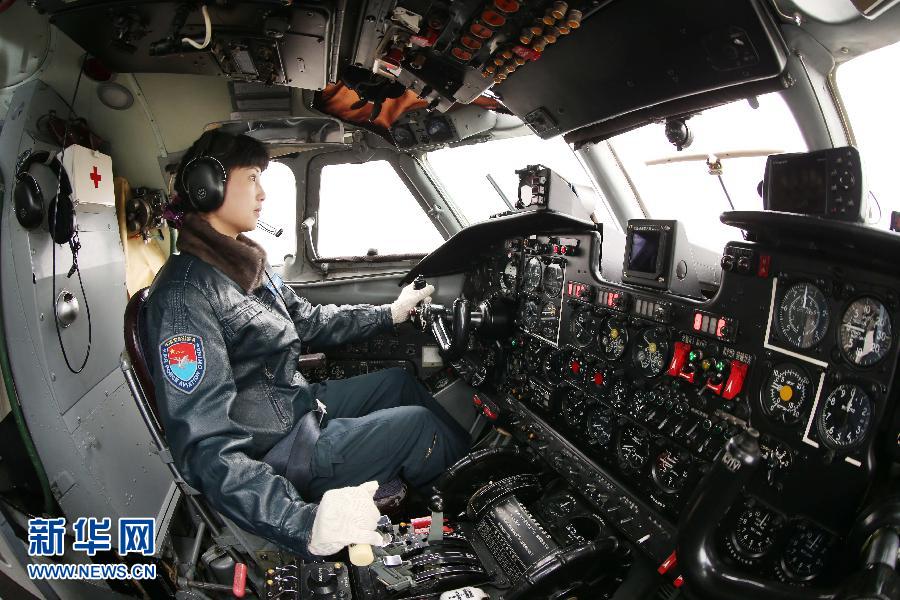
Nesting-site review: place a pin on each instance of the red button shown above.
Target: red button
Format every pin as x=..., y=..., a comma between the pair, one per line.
x=576, y=367
x=476, y=400
x=598, y=378
x=679, y=581
x=491, y=415
x=765, y=261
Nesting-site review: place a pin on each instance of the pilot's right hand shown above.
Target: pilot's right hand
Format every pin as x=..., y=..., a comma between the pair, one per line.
x=345, y=516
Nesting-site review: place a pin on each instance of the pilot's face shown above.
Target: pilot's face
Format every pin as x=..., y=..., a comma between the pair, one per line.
x=244, y=196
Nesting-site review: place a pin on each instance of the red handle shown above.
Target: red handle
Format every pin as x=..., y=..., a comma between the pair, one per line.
x=239, y=585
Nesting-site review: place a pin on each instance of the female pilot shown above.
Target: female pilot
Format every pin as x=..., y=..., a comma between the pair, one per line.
x=224, y=335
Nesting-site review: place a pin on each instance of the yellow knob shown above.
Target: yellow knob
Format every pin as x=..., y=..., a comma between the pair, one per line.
x=614, y=334
x=786, y=393
x=652, y=347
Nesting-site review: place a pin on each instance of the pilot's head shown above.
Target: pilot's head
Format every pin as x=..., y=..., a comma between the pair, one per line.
x=219, y=178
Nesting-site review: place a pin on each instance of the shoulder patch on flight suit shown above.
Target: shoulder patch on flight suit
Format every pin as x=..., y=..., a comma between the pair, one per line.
x=183, y=362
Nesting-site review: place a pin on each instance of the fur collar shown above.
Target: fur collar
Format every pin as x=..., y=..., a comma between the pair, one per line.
x=241, y=259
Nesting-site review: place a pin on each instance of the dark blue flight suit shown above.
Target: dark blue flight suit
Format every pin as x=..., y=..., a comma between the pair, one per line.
x=224, y=364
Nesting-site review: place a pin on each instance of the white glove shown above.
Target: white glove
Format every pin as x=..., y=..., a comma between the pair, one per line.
x=345, y=516
x=409, y=297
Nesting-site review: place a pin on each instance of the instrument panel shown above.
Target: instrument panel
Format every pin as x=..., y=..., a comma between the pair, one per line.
x=641, y=389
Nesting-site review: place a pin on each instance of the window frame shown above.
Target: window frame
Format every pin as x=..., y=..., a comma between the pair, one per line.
x=385, y=262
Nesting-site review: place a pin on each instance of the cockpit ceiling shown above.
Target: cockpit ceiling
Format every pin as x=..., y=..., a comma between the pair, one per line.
x=587, y=69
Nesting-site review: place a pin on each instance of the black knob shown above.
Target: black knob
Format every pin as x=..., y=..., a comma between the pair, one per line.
x=419, y=282
x=743, y=264
x=322, y=582
x=727, y=262
x=436, y=504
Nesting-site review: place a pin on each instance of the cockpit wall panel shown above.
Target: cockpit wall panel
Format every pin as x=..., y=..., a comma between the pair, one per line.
x=85, y=426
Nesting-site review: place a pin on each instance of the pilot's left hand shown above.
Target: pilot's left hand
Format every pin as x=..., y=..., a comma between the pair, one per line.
x=409, y=297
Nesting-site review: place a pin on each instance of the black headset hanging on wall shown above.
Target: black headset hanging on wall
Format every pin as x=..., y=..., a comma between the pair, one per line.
x=28, y=198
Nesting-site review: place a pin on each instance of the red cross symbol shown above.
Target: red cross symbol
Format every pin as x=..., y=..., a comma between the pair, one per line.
x=95, y=177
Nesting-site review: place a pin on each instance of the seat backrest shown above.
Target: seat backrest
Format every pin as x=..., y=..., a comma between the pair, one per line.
x=135, y=350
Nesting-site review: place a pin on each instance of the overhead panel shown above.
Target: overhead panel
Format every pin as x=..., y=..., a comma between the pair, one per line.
x=629, y=56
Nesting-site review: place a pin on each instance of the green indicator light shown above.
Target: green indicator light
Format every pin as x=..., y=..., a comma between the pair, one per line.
x=515, y=343
x=692, y=356
x=720, y=366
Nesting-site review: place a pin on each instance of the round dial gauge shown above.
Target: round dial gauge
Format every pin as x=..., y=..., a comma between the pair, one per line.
x=865, y=332
x=584, y=329
x=531, y=315
x=613, y=338
x=633, y=448
x=553, y=367
x=510, y=272
x=516, y=367
x=786, y=392
x=805, y=552
x=553, y=281
x=845, y=417
x=534, y=356
x=573, y=408
x=600, y=426
x=534, y=270
x=651, y=352
x=550, y=321
x=670, y=470
x=754, y=532
x=619, y=394
x=803, y=315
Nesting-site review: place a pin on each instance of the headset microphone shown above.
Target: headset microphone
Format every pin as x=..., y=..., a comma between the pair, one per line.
x=269, y=229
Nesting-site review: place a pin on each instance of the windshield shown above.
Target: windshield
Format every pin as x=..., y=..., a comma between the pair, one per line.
x=681, y=185
x=464, y=171
x=869, y=89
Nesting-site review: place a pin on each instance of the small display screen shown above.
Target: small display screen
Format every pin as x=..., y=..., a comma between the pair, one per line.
x=644, y=251
x=798, y=185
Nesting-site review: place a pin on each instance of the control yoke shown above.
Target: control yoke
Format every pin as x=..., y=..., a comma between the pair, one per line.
x=710, y=577
x=451, y=326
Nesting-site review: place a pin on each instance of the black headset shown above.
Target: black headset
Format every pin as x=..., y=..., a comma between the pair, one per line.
x=28, y=198
x=203, y=178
